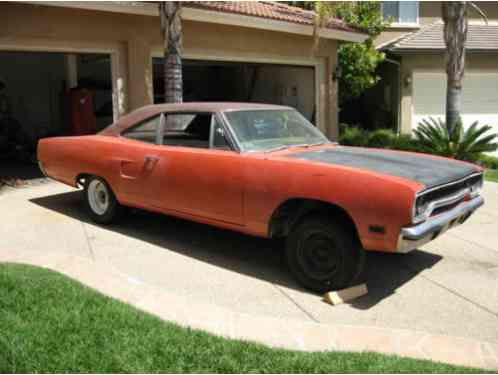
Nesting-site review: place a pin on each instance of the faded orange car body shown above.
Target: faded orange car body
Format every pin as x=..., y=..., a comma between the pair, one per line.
x=237, y=191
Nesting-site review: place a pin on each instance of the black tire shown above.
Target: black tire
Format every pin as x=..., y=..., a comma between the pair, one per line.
x=109, y=209
x=324, y=254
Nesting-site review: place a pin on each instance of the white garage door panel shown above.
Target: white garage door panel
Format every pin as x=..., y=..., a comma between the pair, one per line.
x=479, y=99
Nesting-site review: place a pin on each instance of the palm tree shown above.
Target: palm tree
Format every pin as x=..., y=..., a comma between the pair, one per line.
x=454, y=15
x=455, y=36
x=171, y=31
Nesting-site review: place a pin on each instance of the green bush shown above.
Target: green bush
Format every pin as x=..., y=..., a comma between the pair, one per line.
x=488, y=161
x=352, y=136
x=405, y=142
x=381, y=138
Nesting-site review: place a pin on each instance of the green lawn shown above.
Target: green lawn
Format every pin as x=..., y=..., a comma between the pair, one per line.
x=49, y=323
x=491, y=175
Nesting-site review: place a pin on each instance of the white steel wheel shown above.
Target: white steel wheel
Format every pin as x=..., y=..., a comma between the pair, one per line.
x=101, y=203
x=98, y=197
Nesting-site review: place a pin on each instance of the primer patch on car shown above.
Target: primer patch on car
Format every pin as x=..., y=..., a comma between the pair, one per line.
x=423, y=169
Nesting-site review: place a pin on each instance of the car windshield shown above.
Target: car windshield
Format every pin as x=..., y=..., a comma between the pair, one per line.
x=271, y=130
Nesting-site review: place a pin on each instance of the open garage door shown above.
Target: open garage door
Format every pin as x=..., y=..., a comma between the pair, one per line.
x=479, y=100
x=49, y=94
x=244, y=82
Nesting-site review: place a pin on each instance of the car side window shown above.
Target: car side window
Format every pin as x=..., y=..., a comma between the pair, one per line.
x=191, y=130
x=187, y=130
x=145, y=131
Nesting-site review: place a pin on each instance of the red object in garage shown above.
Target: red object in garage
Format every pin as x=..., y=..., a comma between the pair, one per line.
x=81, y=115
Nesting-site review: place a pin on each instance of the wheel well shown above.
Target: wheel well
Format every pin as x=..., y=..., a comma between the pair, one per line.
x=292, y=211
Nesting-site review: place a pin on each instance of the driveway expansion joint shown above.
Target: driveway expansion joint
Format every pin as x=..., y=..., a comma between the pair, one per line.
x=302, y=309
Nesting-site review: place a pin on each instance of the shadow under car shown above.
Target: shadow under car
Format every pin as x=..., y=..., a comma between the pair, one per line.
x=255, y=257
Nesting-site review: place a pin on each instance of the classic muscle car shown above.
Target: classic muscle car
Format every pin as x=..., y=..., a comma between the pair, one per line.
x=264, y=170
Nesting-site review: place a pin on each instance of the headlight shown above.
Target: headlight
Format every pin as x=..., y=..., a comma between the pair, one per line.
x=475, y=189
x=420, y=208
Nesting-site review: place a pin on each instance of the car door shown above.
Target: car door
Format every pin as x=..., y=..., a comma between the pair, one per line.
x=137, y=162
x=200, y=174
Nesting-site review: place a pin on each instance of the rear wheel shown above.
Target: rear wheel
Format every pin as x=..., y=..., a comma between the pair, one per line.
x=324, y=254
x=100, y=200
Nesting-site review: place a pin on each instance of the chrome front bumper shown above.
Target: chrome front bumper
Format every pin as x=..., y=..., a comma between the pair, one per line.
x=412, y=237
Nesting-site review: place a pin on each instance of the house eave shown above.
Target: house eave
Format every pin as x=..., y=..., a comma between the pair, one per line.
x=202, y=15
x=436, y=51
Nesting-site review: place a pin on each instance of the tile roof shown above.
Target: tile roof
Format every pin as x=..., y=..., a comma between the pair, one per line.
x=267, y=9
x=480, y=38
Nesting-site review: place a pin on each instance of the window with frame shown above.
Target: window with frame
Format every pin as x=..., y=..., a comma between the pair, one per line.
x=197, y=130
x=400, y=12
x=145, y=131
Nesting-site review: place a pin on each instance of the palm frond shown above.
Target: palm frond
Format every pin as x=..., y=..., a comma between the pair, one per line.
x=433, y=136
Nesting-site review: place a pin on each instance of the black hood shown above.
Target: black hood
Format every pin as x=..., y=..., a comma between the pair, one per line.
x=420, y=168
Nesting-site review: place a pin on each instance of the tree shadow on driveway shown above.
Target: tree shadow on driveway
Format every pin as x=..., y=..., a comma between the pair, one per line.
x=255, y=257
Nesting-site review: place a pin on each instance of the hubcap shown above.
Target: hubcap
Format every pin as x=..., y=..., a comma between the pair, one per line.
x=98, y=197
x=319, y=256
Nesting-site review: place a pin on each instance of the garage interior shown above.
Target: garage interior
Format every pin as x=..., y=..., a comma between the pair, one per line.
x=54, y=94
x=49, y=94
x=243, y=82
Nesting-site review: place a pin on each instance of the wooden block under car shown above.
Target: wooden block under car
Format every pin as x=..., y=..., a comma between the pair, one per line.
x=344, y=295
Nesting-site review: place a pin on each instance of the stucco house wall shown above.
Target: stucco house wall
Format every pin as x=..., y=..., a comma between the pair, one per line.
x=132, y=40
x=423, y=61
x=434, y=63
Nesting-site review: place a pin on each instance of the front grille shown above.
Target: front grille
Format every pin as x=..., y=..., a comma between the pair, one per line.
x=448, y=196
x=448, y=190
x=448, y=207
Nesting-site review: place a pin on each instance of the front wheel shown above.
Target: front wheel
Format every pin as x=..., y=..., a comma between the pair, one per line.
x=324, y=254
x=102, y=205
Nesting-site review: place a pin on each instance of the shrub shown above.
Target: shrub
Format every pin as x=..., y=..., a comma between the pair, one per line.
x=488, y=161
x=405, y=142
x=352, y=136
x=436, y=138
x=381, y=138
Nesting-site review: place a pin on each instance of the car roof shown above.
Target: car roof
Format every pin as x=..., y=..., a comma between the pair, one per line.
x=209, y=106
x=149, y=111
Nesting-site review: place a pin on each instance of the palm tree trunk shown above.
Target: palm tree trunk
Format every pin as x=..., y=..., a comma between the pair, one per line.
x=171, y=30
x=455, y=36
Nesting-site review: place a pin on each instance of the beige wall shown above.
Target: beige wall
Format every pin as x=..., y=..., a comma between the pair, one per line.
x=132, y=39
x=434, y=62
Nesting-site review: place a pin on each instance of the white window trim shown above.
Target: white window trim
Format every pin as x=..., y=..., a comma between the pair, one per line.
x=405, y=25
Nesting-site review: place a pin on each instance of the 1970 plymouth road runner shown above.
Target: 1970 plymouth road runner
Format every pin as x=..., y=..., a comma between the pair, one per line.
x=264, y=170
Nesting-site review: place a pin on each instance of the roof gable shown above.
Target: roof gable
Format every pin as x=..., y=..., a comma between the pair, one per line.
x=480, y=38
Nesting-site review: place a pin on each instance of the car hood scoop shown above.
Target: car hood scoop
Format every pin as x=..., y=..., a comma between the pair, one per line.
x=420, y=168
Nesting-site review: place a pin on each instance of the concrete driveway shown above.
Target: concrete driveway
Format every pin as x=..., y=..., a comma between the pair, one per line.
x=447, y=287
